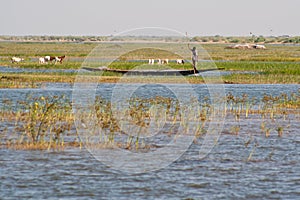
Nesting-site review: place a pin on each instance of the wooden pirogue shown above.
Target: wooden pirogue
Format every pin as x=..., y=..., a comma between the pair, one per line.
x=151, y=72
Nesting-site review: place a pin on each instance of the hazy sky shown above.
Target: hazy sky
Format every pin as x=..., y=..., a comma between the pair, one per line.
x=106, y=17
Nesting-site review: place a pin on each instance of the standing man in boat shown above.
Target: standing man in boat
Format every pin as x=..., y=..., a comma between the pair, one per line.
x=194, y=57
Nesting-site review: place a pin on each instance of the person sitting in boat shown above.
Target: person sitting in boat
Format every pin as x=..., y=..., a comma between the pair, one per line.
x=194, y=57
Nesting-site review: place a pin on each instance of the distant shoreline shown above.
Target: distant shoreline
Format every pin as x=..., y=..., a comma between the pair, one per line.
x=285, y=39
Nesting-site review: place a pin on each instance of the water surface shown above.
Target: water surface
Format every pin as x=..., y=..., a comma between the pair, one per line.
x=273, y=172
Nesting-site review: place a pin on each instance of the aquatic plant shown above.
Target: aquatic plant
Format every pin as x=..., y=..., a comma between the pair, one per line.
x=47, y=122
x=235, y=129
x=279, y=129
x=252, y=151
x=43, y=121
x=267, y=132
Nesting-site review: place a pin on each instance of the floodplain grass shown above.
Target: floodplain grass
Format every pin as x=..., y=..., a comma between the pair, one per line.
x=256, y=73
x=291, y=68
x=263, y=72
x=276, y=64
x=29, y=50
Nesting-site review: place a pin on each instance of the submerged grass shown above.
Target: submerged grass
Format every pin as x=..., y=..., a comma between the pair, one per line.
x=44, y=123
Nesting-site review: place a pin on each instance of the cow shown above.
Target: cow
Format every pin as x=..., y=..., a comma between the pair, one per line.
x=49, y=58
x=42, y=60
x=159, y=61
x=16, y=59
x=180, y=61
x=165, y=61
x=151, y=61
x=258, y=46
x=54, y=58
x=59, y=59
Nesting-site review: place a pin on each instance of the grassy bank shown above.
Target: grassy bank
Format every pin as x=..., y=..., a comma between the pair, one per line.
x=264, y=72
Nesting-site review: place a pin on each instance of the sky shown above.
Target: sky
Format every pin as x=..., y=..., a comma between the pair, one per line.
x=109, y=17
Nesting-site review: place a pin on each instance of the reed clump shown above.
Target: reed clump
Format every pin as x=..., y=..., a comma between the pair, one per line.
x=39, y=123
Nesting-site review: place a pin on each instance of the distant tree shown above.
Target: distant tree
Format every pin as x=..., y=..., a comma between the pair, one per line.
x=235, y=40
x=260, y=39
x=270, y=41
x=196, y=39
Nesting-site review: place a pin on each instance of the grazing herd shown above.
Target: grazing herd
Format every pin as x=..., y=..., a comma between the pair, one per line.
x=56, y=59
x=46, y=59
x=159, y=61
x=42, y=60
x=163, y=61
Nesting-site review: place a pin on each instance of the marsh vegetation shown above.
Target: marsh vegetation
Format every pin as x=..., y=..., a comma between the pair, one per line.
x=48, y=122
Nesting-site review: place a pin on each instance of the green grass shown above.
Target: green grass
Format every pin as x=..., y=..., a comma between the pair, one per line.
x=266, y=72
x=290, y=68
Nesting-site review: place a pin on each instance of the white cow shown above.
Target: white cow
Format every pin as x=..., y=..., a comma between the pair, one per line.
x=42, y=60
x=47, y=58
x=151, y=61
x=180, y=61
x=165, y=61
x=16, y=59
x=259, y=46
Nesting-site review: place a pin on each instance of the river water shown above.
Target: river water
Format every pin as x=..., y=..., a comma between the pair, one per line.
x=273, y=172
